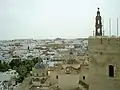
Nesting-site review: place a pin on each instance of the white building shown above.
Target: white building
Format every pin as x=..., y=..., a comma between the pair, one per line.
x=7, y=79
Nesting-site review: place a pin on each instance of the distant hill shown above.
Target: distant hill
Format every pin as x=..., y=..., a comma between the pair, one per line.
x=82, y=38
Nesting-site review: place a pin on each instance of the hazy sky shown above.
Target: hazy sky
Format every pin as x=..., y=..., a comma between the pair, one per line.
x=54, y=18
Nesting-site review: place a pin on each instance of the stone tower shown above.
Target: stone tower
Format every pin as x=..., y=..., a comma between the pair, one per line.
x=98, y=24
x=104, y=62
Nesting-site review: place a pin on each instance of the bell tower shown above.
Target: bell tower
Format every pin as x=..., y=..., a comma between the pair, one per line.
x=98, y=25
x=104, y=60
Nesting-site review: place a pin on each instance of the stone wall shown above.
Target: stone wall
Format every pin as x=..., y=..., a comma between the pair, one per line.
x=104, y=51
x=68, y=81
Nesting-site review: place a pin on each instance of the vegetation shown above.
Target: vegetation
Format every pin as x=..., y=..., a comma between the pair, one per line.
x=22, y=67
x=4, y=66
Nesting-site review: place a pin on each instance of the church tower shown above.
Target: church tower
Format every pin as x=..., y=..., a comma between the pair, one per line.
x=104, y=60
x=98, y=25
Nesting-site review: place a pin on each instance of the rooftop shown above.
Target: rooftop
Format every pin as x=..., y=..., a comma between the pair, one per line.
x=39, y=65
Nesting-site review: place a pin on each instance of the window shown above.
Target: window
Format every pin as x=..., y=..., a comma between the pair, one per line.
x=56, y=76
x=47, y=73
x=37, y=74
x=100, y=53
x=43, y=74
x=83, y=77
x=111, y=71
x=98, y=21
x=98, y=31
x=88, y=58
x=43, y=80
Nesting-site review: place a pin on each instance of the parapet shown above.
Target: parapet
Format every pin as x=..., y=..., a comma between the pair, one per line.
x=104, y=40
x=104, y=43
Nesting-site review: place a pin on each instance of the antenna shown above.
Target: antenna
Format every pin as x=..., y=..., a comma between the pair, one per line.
x=93, y=33
x=103, y=27
x=103, y=33
x=110, y=27
x=117, y=27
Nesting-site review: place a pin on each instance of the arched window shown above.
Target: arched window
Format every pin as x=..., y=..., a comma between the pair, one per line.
x=98, y=30
x=83, y=77
x=98, y=21
x=111, y=71
x=56, y=76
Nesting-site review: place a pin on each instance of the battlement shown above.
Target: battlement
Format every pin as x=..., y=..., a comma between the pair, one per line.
x=104, y=44
x=104, y=40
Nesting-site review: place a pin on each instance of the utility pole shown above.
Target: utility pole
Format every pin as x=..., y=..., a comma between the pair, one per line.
x=93, y=33
x=117, y=28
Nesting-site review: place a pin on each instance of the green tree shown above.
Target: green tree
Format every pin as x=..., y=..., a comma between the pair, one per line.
x=28, y=64
x=4, y=66
x=23, y=67
x=36, y=60
x=15, y=62
x=14, y=68
x=1, y=67
x=22, y=70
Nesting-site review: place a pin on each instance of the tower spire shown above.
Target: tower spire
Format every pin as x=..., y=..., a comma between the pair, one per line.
x=98, y=25
x=98, y=8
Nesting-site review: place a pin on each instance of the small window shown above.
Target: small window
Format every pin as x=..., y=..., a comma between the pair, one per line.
x=83, y=77
x=43, y=74
x=98, y=21
x=88, y=58
x=98, y=31
x=100, y=53
x=56, y=76
x=37, y=74
x=47, y=73
x=111, y=71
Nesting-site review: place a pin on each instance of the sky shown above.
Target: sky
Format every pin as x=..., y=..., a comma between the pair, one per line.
x=43, y=19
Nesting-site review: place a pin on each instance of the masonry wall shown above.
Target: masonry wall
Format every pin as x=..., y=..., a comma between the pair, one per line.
x=104, y=51
x=68, y=81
